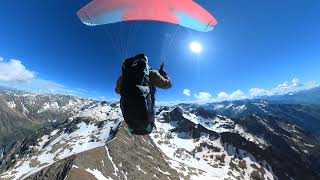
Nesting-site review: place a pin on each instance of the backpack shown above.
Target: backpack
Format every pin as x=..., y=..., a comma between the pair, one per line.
x=137, y=96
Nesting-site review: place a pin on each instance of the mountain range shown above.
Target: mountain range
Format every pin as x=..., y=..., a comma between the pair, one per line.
x=72, y=138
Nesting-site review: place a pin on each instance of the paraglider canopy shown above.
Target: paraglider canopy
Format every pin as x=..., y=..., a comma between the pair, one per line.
x=186, y=13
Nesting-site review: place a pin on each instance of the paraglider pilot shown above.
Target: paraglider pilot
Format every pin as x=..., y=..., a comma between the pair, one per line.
x=137, y=87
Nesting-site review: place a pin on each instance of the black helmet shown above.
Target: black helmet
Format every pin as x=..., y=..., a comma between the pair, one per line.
x=142, y=56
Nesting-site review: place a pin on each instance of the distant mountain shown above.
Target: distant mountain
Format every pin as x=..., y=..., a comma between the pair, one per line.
x=190, y=142
x=306, y=116
x=22, y=113
x=69, y=138
x=311, y=96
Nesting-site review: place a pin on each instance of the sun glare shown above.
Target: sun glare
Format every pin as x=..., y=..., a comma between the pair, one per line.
x=195, y=47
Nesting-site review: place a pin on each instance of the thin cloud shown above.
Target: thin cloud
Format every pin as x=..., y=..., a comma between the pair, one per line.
x=283, y=88
x=41, y=86
x=223, y=95
x=286, y=87
x=187, y=92
x=254, y=92
x=236, y=95
x=312, y=84
x=203, y=97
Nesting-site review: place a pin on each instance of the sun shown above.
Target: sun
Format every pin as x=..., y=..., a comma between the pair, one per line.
x=195, y=47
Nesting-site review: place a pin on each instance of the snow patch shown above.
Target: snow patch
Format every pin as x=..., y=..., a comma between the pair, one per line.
x=49, y=106
x=11, y=104
x=48, y=150
x=101, y=113
x=113, y=164
x=98, y=174
x=240, y=109
x=1, y=153
x=139, y=168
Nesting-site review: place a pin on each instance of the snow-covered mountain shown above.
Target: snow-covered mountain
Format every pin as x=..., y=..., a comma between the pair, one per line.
x=311, y=96
x=229, y=140
x=307, y=116
x=79, y=133
x=200, y=137
x=22, y=113
x=188, y=144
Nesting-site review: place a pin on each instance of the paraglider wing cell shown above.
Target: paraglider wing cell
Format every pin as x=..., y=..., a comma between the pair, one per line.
x=186, y=13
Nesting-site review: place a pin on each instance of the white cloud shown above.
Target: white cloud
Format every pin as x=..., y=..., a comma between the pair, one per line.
x=283, y=88
x=203, y=97
x=236, y=95
x=14, y=71
x=223, y=96
x=296, y=82
x=187, y=92
x=288, y=86
x=45, y=86
x=312, y=84
x=256, y=92
x=15, y=75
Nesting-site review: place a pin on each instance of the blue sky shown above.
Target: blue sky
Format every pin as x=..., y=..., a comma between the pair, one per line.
x=263, y=47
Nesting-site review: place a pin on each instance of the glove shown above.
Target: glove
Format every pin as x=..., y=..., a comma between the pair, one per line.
x=162, y=72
